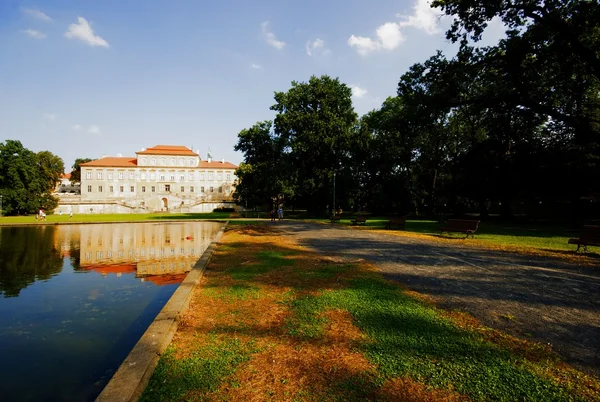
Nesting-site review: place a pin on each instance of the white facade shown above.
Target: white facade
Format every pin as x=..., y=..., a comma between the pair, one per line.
x=161, y=178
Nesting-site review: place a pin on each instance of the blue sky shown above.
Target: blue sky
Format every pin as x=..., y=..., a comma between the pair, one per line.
x=87, y=78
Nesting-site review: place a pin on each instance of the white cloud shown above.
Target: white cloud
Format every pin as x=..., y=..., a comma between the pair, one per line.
x=94, y=129
x=270, y=37
x=317, y=46
x=256, y=66
x=83, y=31
x=390, y=35
x=357, y=91
x=76, y=127
x=37, y=14
x=424, y=18
x=49, y=116
x=35, y=34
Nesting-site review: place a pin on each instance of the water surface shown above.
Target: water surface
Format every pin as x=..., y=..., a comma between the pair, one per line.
x=75, y=299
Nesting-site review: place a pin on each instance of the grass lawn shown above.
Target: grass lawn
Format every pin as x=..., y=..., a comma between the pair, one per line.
x=85, y=218
x=541, y=237
x=273, y=321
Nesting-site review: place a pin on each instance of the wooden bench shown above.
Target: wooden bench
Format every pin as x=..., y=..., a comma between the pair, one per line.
x=335, y=218
x=590, y=236
x=359, y=220
x=398, y=222
x=466, y=226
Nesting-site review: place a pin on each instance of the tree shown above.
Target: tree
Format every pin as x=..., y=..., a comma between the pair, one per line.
x=76, y=172
x=315, y=122
x=27, y=179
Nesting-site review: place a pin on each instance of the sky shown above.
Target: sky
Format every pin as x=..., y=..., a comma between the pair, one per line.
x=84, y=79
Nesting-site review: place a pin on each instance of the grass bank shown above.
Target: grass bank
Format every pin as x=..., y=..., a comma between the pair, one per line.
x=273, y=321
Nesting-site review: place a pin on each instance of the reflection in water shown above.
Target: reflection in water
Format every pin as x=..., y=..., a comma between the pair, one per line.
x=75, y=299
x=27, y=254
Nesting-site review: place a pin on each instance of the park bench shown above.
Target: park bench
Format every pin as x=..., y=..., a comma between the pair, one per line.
x=466, y=226
x=398, y=222
x=335, y=218
x=359, y=220
x=590, y=236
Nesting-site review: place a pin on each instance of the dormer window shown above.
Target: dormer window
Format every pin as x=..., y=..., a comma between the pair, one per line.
x=181, y=162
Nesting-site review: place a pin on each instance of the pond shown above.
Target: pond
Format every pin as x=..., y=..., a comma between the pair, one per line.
x=74, y=300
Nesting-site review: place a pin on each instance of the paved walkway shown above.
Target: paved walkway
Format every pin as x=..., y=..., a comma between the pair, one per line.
x=536, y=298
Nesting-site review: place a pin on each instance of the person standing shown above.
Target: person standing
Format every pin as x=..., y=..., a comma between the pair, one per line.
x=280, y=213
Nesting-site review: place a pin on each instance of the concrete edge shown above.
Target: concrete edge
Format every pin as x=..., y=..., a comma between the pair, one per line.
x=130, y=380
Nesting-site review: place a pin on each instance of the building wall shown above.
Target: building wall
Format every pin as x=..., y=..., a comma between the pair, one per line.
x=159, y=183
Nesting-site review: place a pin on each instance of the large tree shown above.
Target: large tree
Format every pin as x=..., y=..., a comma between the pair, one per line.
x=27, y=179
x=315, y=120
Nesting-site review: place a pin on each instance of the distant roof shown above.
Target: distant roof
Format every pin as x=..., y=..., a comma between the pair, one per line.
x=113, y=161
x=168, y=150
x=217, y=165
x=66, y=176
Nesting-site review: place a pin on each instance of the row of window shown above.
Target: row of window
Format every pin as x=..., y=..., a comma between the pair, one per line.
x=167, y=188
x=172, y=161
x=152, y=176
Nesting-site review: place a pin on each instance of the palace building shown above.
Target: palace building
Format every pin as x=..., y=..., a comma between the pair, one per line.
x=162, y=178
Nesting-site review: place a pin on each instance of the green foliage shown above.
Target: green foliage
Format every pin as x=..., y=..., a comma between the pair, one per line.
x=76, y=169
x=27, y=179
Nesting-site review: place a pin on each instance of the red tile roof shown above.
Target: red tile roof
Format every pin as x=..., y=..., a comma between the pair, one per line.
x=217, y=165
x=66, y=176
x=168, y=150
x=113, y=161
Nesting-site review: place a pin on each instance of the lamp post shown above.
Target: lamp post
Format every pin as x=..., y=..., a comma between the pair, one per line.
x=0, y=205
x=333, y=206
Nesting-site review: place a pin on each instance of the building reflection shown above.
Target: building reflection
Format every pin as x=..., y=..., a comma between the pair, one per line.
x=161, y=253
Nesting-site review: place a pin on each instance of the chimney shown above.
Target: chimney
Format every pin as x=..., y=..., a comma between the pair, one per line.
x=119, y=154
x=209, y=159
x=223, y=160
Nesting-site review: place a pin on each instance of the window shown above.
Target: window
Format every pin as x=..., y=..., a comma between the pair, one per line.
x=111, y=189
x=162, y=161
x=110, y=176
x=167, y=187
x=172, y=177
x=99, y=189
x=153, y=161
x=99, y=175
x=181, y=162
x=143, y=189
x=210, y=177
x=182, y=177
x=153, y=189
x=121, y=188
x=191, y=189
x=143, y=176
x=152, y=176
x=89, y=189
x=220, y=190
x=202, y=189
x=120, y=175
x=220, y=176
x=132, y=188
x=182, y=189
x=191, y=162
x=227, y=190
x=162, y=177
x=142, y=161
x=172, y=161
x=211, y=189
x=228, y=176
x=191, y=177
x=88, y=175
x=201, y=176
x=131, y=176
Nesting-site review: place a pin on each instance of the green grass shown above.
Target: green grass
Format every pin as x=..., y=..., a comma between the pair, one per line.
x=542, y=236
x=86, y=218
x=409, y=339
x=201, y=373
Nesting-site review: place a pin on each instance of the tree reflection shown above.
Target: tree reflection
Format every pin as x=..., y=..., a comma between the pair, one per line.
x=27, y=254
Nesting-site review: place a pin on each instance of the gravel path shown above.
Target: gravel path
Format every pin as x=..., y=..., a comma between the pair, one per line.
x=541, y=299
